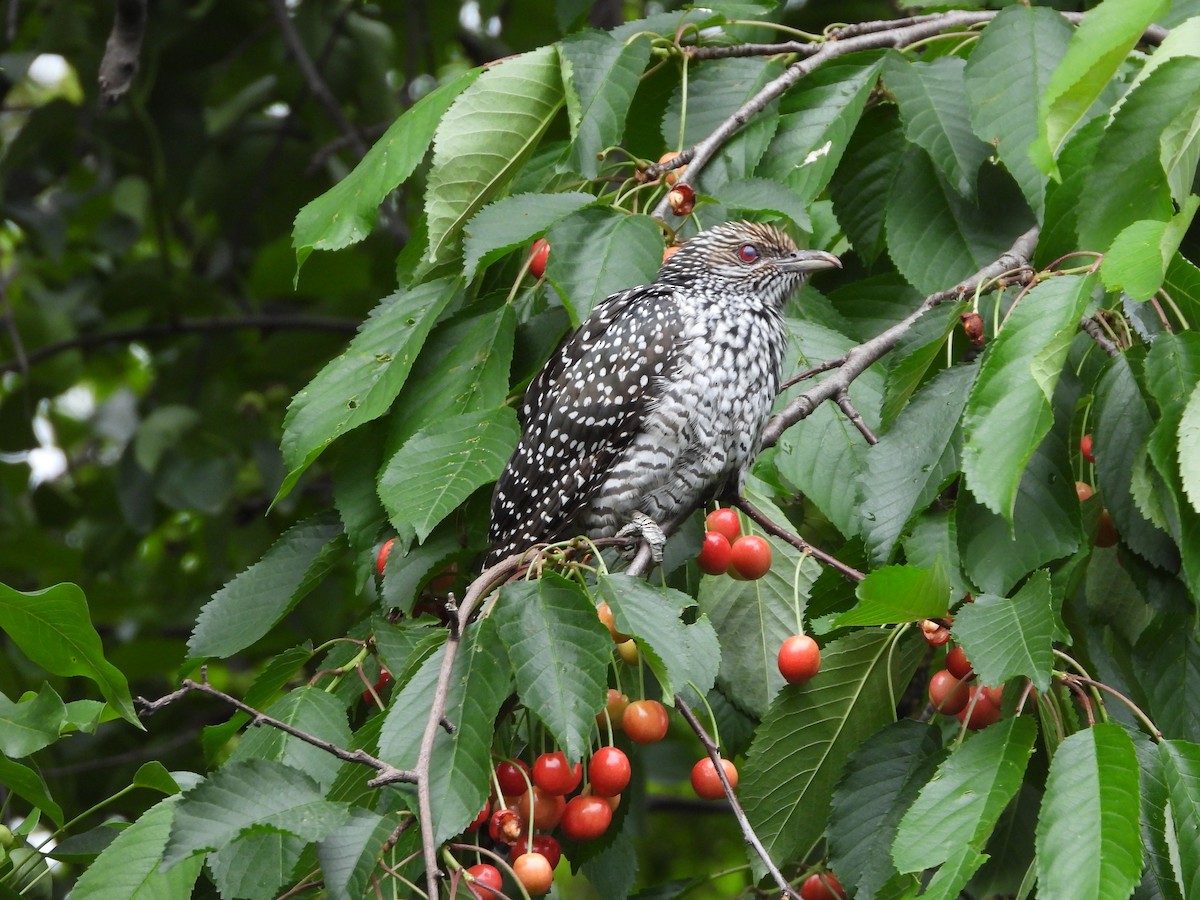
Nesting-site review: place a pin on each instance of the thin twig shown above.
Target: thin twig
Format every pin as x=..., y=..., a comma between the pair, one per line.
x=796, y=541
x=388, y=774
x=748, y=834
x=1095, y=331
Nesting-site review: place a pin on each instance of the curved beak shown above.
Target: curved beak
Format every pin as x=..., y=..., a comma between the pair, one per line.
x=812, y=261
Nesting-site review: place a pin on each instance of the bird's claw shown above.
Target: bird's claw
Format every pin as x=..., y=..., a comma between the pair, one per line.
x=644, y=527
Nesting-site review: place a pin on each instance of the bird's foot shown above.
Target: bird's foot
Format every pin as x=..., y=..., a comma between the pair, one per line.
x=641, y=525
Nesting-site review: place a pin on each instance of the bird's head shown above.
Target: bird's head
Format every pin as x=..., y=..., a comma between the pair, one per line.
x=745, y=258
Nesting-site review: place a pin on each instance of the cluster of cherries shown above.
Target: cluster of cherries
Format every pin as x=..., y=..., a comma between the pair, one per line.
x=726, y=551
x=1106, y=531
x=951, y=690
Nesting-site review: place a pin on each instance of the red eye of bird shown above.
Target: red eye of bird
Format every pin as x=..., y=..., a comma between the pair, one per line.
x=747, y=253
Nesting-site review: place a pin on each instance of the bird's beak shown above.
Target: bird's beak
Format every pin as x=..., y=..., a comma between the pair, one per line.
x=812, y=261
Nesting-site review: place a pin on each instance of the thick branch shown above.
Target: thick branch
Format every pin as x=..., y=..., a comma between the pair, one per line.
x=120, y=62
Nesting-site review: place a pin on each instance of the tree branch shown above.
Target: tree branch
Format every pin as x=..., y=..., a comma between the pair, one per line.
x=795, y=540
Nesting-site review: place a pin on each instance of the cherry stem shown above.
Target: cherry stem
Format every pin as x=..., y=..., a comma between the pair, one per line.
x=499, y=861
x=1133, y=707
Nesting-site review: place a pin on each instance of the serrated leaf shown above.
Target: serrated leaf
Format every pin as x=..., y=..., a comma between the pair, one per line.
x=1181, y=773
x=913, y=459
x=1158, y=847
x=861, y=185
x=960, y=805
x=256, y=864
x=1006, y=638
x=597, y=252
x=802, y=745
x=442, y=464
x=895, y=594
x=560, y=653
x=1006, y=76
x=952, y=876
x=882, y=779
x=351, y=854
x=245, y=609
x=512, y=222
x=345, y=214
x=246, y=795
x=130, y=868
x=1088, y=843
x=1189, y=449
x=760, y=195
x=1097, y=48
x=676, y=653
x=1137, y=261
x=714, y=92
x=312, y=711
x=361, y=384
x=933, y=106
x=1166, y=663
x=1127, y=168
x=1008, y=413
x=54, y=629
x=31, y=724
x=461, y=762
x=29, y=785
x=933, y=541
x=483, y=139
x=754, y=617
x=602, y=74
x=935, y=237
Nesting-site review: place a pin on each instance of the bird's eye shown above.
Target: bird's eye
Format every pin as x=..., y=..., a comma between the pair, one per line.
x=747, y=253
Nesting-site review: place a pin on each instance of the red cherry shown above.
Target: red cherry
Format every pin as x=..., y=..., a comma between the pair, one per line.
x=546, y=845
x=547, y=808
x=682, y=199
x=381, y=557
x=512, y=782
x=554, y=775
x=385, y=678
x=1084, y=491
x=994, y=694
x=484, y=815
x=972, y=324
x=799, y=659
x=586, y=818
x=934, y=632
x=534, y=872
x=486, y=881
x=506, y=826
x=674, y=174
x=1085, y=447
x=715, y=554
x=957, y=663
x=615, y=702
x=609, y=772
x=947, y=694
x=983, y=713
x=645, y=721
x=751, y=556
x=538, y=255
x=606, y=616
x=1106, y=531
x=707, y=783
x=724, y=521
x=822, y=886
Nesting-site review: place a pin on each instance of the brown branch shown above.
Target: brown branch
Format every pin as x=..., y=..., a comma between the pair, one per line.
x=120, y=62
x=857, y=360
x=262, y=322
x=388, y=774
x=748, y=834
x=1093, y=330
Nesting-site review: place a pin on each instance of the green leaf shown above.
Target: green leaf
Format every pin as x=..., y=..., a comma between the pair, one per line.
x=1088, y=843
x=754, y=617
x=1138, y=259
x=1128, y=170
x=484, y=137
x=31, y=724
x=960, y=805
x=1009, y=411
x=1098, y=47
x=1006, y=638
x=1158, y=846
x=602, y=74
x=462, y=763
x=894, y=594
x=801, y=747
x=937, y=238
x=1006, y=76
x=932, y=542
x=308, y=709
x=596, y=252
x=154, y=776
x=882, y=779
x=441, y=465
x=676, y=653
x=953, y=875
x=1181, y=772
x=1060, y=226
x=351, y=854
x=714, y=92
x=933, y=105
x=361, y=384
x=241, y=796
x=256, y=864
x=560, y=654
x=54, y=629
x=345, y=214
x=512, y=222
x=1189, y=441
x=913, y=460
x=1166, y=662
x=759, y=195
x=861, y=185
x=28, y=784
x=131, y=867
x=247, y=607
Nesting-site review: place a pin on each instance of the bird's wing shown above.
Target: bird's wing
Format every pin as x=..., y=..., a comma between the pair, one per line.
x=581, y=411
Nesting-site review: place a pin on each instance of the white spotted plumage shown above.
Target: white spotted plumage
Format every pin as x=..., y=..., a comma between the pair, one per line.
x=658, y=400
